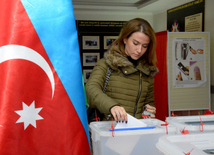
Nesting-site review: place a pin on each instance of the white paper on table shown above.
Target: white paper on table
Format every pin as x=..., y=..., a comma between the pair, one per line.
x=132, y=123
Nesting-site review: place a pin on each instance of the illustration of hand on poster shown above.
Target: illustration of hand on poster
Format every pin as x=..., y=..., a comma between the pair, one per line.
x=189, y=50
x=196, y=70
x=182, y=71
x=188, y=62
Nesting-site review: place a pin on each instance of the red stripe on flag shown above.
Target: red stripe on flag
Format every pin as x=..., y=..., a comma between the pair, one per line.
x=60, y=131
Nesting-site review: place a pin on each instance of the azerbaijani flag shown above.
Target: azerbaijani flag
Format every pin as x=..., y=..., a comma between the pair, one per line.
x=42, y=102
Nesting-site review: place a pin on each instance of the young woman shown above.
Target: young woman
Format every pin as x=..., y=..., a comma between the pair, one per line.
x=130, y=88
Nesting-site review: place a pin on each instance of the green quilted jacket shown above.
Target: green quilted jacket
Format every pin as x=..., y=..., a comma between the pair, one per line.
x=130, y=87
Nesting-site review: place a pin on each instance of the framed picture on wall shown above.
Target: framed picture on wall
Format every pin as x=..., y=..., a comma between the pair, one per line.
x=86, y=74
x=108, y=40
x=90, y=59
x=91, y=42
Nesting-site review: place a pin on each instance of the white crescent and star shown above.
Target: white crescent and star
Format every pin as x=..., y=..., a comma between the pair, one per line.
x=29, y=114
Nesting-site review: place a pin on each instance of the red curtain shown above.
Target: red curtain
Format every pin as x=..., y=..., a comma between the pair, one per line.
x=161, y=88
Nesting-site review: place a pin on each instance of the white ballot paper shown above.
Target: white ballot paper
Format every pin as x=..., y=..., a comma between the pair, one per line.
x=124, y=145
x=132, y=123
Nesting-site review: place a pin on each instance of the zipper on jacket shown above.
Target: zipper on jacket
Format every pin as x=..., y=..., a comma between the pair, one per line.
x=139, y=92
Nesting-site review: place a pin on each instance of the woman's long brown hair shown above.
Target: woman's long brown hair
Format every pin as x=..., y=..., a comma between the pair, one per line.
x=137, y=25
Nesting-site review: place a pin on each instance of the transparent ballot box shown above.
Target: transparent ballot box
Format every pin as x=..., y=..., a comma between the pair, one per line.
x=128, y=142
x=194, y=124
x=191, y=144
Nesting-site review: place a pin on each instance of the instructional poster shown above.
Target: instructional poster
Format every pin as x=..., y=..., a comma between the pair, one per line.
x=188, y=69
x=189, y=63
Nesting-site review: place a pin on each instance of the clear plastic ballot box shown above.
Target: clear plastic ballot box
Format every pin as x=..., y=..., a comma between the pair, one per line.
x=194, y=124
x=190, y=144
x=128, y=142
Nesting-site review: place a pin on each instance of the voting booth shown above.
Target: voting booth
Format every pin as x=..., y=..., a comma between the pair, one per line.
x=128, y=141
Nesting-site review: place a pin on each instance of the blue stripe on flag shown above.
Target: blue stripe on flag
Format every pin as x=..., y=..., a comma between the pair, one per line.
x=55, y=25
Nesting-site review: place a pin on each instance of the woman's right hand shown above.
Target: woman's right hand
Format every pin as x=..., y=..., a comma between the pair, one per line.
x=119, y=114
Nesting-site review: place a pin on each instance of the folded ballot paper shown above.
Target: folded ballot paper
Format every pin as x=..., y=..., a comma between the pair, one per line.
x=132, y=123
x=124, y=144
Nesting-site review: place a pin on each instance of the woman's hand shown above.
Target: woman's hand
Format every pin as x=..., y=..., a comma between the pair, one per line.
x=179, y=77
x=119, y=114
x=150, y=109
x=193, y=51
x=200, y=51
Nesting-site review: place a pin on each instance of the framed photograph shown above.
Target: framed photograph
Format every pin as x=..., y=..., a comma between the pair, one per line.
x=91, y=42
x=108, y=40
x=86, y=74
x=90, y=59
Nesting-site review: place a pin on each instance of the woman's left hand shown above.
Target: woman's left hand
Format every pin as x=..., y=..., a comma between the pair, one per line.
x=150, y=109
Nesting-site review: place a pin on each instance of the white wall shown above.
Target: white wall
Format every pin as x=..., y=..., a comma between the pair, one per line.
x=160, y=21
x=209, y=22
x=209, y=27
x=111, y=15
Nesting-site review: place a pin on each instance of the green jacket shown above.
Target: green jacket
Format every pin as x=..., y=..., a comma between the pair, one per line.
x=130, y=87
